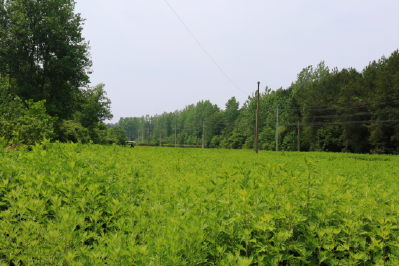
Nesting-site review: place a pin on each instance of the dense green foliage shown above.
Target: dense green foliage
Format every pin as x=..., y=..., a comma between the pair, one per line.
x=45, y=61
x=27, y=122
x=74, y=204
x=345, y=110
x=43, y=53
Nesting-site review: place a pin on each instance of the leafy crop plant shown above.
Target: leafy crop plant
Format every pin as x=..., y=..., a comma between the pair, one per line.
x=74, y=204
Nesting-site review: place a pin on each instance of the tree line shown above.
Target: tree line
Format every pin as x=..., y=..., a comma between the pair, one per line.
x=329, y=110
x=44, y=76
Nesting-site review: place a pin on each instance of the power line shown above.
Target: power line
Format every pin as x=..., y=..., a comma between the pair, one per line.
x=345, y=115
x=354, y=105
x=203, y=47
x=312, y=106
x=342, y=123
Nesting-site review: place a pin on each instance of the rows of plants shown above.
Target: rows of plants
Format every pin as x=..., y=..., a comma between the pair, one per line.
x=74, y=204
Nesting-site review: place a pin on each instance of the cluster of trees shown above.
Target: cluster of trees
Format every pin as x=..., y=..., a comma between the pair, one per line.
x=338, y=111
x=188, y=123
x=44, y=82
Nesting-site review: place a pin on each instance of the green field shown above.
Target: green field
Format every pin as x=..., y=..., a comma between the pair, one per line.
x=72, y=204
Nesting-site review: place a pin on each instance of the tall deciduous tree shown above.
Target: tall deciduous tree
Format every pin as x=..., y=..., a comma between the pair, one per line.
x=94, y=107
x=232, y=110
x=43, y=52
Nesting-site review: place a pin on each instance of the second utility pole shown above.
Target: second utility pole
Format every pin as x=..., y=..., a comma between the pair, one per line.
x=257, y=118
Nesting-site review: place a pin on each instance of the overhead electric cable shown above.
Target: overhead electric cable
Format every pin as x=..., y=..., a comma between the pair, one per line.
x=203, y=47
x=354, y=105
x=345, y=115
x=388, y=99
x=341, y=123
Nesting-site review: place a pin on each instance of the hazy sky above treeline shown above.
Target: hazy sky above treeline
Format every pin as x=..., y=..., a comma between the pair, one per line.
x=150, y=63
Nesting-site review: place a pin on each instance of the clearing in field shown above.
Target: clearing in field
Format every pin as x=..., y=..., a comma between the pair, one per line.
x=72, y=204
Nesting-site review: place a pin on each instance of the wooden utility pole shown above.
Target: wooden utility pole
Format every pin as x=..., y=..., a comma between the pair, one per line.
x=180, y=139
x=148, y=139
x=254, y=131
x=175, y=135
x=202, y=142
x=257, y=117
x=298, y=136
x=277, y=126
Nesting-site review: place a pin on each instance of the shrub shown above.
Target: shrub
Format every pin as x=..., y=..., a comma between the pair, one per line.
x=215, y=142
x=73, y=131
x=249, y=143
x=116, y=135
x=236, y=141
x=32, y=123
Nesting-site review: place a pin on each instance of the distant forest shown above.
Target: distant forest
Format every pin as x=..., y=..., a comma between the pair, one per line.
x=336, y=111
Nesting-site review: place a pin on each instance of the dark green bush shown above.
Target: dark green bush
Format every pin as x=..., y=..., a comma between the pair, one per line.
x=73, y=131
x=29, y=121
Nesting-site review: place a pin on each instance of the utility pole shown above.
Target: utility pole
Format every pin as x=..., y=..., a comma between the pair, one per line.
x=159, y=129
x=257, y=117
x=298, y=136
x=202, y=142
x=254, y=131
x=148, y=139
x=175, y=135
x=180, y=139
x=142, y=134
x=138, y=131
x=277, y=125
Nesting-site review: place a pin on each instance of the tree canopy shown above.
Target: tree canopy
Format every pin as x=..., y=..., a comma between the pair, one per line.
x=43, y=53
x=45, y=62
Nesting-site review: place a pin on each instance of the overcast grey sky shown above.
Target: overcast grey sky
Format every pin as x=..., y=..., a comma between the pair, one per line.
x=151, y=64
